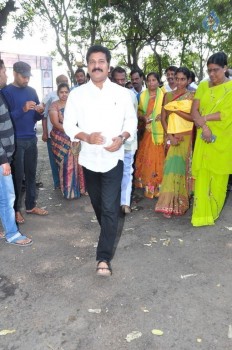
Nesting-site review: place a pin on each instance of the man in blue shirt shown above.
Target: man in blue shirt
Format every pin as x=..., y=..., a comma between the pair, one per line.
x=7, y=195
x=25, y=111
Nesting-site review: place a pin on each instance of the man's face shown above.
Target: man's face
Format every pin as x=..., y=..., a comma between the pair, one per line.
x=120, y=78
x=137, y=81
x=3, y=77
x=170, y=76
x=20, y=80
x=80, y=78
x=98, y=67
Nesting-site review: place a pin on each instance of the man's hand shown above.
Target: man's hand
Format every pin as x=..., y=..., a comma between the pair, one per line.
x=117, y=143
x=45, y=136
x=6, y=169
x=96, y=138
x=39, y=108
x=29, y=105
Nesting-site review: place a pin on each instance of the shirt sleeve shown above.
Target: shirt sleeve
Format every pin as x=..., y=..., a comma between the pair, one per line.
x=130, y=120
x=71, y=113
x=15, y=112
x=3, y=155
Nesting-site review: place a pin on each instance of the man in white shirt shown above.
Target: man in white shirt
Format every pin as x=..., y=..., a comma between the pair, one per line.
x=119, y=77
x=101, y=115
x=171, y=81
x=137, y=79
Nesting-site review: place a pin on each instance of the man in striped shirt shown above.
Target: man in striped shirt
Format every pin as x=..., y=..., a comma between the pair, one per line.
x=7, y=194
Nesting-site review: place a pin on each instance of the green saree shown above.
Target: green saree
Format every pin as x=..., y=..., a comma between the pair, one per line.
x=212, y=162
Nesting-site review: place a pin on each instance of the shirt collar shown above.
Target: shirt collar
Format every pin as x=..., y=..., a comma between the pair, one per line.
x=106, y=83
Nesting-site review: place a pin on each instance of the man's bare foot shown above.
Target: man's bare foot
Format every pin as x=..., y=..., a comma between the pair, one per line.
x=19, y=218
x=104, y=268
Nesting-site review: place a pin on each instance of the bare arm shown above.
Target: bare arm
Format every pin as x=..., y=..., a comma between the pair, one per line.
x=212, y=117
x=201, y=120
x=45, y=130
x=186, y=116
x=54, y=117
x=164, y=115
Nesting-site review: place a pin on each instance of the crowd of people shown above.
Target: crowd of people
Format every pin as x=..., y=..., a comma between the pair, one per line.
x=107, y=135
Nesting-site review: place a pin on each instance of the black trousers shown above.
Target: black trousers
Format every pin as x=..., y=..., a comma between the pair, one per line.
x=24, y=165
x=104, y=190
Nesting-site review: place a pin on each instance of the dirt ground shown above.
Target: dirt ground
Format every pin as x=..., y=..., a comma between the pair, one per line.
x=167, y=276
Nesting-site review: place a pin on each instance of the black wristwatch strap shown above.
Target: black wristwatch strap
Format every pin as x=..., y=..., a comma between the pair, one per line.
x=123, y=138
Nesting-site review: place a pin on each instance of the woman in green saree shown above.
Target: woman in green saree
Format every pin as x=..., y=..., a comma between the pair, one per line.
x=212, y=157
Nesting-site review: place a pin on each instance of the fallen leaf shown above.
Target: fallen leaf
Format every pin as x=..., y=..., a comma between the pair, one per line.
x=153, y=240
x=199, y=340
x=133, y=335
x=146, y=218
x=147, y=244
x=190, y=275
x=229, y=228
x=7, y=331
x=144, y=309
x=167, y=242
x=94, y=311
x=230, y=332
x=157, y=332
x=93, y=220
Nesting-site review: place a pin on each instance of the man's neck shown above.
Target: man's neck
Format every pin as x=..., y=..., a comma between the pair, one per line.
x=139, y=89
x=15, y=84
x=99, y=84
x=172, y=85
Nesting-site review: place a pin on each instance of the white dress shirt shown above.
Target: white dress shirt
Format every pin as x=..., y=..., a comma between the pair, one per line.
x=131, y=146
x=108, y=110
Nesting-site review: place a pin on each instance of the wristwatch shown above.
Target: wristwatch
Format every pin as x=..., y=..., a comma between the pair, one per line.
x=123, y=138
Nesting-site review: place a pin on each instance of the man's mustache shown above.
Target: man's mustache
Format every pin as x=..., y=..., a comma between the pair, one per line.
x=96, y=69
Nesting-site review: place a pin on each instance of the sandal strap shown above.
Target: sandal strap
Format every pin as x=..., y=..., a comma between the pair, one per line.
x=104, y=268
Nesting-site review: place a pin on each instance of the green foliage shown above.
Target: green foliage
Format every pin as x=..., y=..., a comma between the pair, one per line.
x=6, y=7
x=171, y=30
x=150, y=63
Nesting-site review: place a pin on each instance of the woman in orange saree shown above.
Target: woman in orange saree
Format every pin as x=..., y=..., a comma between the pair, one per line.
x=150, y=154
